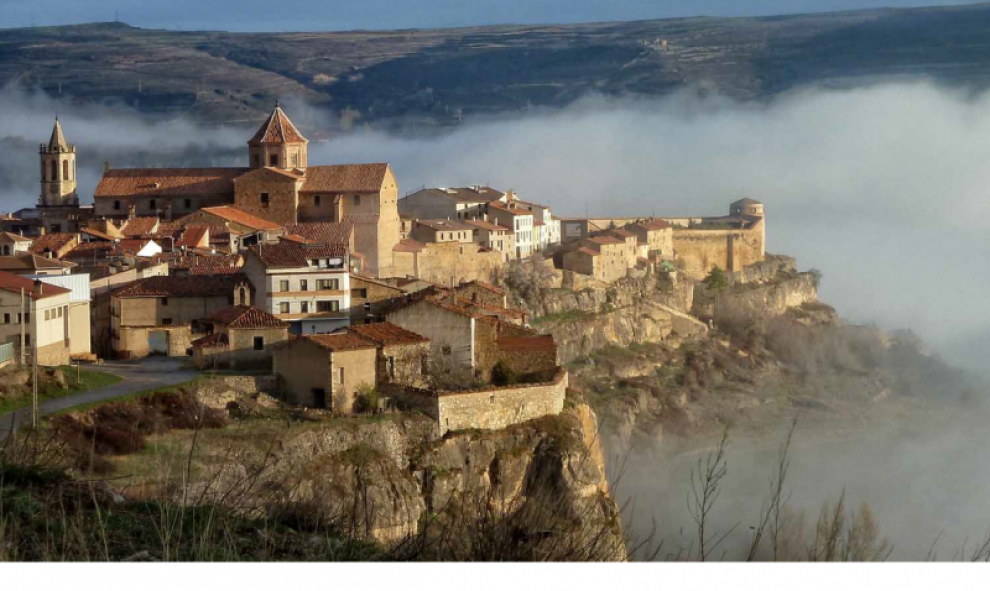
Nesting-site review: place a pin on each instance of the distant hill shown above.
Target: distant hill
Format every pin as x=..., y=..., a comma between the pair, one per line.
x=438, y=77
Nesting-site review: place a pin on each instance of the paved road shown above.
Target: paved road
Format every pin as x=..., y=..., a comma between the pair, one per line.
x=145, y=374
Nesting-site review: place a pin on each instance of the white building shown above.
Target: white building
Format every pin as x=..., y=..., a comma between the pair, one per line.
x=519, y=220
x=80, y=320
x=307, y=286
x=42, y=311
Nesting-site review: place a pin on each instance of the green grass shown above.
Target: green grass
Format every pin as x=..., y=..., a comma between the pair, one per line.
x=88, y=380
x=135, y=395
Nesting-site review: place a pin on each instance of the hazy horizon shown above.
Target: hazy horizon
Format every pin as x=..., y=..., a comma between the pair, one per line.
x=382, y=15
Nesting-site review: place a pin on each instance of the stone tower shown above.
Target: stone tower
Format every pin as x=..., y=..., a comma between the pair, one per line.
x=58, y=171
x=278, y=144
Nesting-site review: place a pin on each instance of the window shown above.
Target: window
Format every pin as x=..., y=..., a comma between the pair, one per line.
x=328, y=306
x=60, y=311
x=357, y=200
x=303, y=285
x=304, y=307
x=27, y=340
x=27, y=318
x=166, y=322
x=446, y=350
x=283, y=285
x=187, y=203
x=164, y=302
x=152, y=204
x=391, y=366
x=273, y=160
x=340, y=375
x=54, y=170
x=243, y=294
x=328, y=284
x=116, y=205
x=6, y=318
x=259, y=343
x=283, y=308
x=47, y=315
x=265, y=199
x=359, y=293
x=65, y=170
x=316, y=200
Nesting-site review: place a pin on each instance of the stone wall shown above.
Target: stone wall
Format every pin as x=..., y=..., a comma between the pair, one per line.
x=766, y=299
x=448, y=262
x=699, y=250
x=283, y=195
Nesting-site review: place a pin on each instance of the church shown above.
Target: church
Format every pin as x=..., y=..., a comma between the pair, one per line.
x=278, y=185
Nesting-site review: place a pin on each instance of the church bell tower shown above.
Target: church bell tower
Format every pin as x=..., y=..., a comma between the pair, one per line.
x=58, y=171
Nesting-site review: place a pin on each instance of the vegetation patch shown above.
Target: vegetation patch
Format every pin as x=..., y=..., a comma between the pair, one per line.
x=53, y=383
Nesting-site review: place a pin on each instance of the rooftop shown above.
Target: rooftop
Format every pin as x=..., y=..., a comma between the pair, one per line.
x=138, y=227
x=237, y=216
x=191, y=286
x=340, y=342
x=323, y=232
x=31, y=262
x=290, y=255
x=169, y=182
x=451, y=225
x=32, y=289
x=242, y=317
x=386, y=333
x=52, y=242
x=277, y=129
x=345, y=178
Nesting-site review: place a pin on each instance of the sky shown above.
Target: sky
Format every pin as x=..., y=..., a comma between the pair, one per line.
x=323, y=15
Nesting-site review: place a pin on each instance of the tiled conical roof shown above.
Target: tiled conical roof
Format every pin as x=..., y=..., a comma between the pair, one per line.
x=277, y=129
x=58, y=140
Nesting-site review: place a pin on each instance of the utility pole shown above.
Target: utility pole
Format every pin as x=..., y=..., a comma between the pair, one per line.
x=23, y=347
x=34, y=385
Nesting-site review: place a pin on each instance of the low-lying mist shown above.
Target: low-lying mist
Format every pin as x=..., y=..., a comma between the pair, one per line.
x=883, y=188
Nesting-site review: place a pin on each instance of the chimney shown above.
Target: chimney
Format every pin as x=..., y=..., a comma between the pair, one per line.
x=106, y=166
x=39, y=287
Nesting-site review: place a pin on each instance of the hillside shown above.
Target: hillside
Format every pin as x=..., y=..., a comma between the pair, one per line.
x=439, y=77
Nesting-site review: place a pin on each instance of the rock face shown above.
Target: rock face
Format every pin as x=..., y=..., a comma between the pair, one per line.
x=541, y=483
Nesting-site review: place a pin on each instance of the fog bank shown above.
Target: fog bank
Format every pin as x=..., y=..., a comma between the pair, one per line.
x=882, y=188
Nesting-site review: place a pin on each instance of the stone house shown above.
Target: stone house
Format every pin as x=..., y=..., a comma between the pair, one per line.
x=446, y=263
x=433, y=231
x=306, y=285
x=657, y=235
x=495, y=237
x=12, y=244
x=403, y=356
x=249, y=229
x=32, y=264
x=481, y=292
x=602, y=257
x=239, y=337
x=326, y=370
x=631, y=241
x=370, y=297
x=42, y=312
x=159, y=315
x=528, y=355
x=448, y=203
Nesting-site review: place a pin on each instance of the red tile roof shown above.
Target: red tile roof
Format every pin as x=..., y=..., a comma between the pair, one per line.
x=345, y=178
x=97, y=234
x=14, y=237
x=652, y=224
x=340, y=342
x=140, y=227
x=238, y=317
x=52, y=242
x=88, y=251
x=31, y=262
x=277, y=129
x=192, y=286
x=323, y=232
x=201, y=264
x=34, y=290
x=193, y=236
x=408, y=245
x=486, y=286
x=287, y=255
x=386, y=334
x=167, y=182
x=237, y=216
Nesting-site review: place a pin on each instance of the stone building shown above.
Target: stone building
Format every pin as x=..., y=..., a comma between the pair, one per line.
x=448, y=203
x=494, y=237
x=41, y=312
x=370, y=297
x=436, y=231
x=159, y=315
x=279, y=186
x=604, y=258
x=447, y=263
x=306, y=285
x=326, y=370
x=658, y=236
x=58, y=171
x=239, y=337
x=32, y=264
x=403, y=356
x=13, y=244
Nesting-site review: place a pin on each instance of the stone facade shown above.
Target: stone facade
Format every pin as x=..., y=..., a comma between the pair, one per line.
x=269, y=194
x=699, y=250
x=449, y=263
x=313, y=376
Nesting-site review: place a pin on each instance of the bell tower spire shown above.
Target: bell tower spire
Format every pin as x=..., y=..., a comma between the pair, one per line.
x=278, y=144
x=58, y=171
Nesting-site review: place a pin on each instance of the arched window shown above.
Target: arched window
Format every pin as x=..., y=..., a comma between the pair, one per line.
x=54, y=170
x=65, y=169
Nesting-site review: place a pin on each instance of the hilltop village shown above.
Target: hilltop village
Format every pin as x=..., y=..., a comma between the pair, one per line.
x=357, y=300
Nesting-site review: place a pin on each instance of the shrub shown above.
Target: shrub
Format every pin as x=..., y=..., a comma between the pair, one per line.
x=502, y=375
x=716, y=279
x=367, y=399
